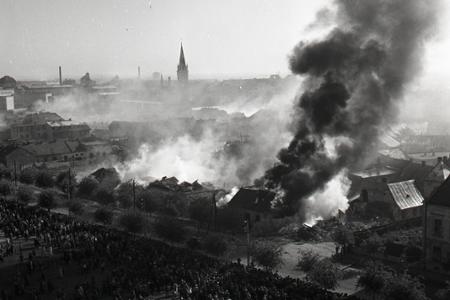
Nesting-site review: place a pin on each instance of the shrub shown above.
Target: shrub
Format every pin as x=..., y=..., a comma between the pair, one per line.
x=169, y=229
x=103, y=215
x=47, y=200
x=5, y=172
x=324, y=273
x=44, y=179
x=266, y=254
x=104, y=196
x=87, y=186
x=169, y=211
x=76, y=208
x=63, y=181
x=125, y=194
x=307, y=260
x=5, y=188
x=374, y=279
x=215, y=245
x=193, y=243
x=28, y=175
x=148, y=203
x=200, y=210
x=132, y=222
x=25, y=194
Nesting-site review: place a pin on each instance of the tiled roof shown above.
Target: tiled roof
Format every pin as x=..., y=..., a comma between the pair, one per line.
x=54, y=148
x=405, y=194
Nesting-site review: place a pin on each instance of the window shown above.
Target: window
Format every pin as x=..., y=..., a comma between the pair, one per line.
x=437, y=228
x=364, y=195
x=437, y=253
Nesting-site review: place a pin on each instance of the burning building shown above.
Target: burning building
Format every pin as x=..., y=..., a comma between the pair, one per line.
x=354, y=79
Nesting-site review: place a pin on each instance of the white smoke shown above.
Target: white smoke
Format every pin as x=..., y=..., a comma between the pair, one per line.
x=327, y=202
x=185, y=158
x=227, y=198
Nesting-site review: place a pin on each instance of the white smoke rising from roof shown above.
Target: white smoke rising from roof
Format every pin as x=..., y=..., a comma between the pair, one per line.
x=326, y=203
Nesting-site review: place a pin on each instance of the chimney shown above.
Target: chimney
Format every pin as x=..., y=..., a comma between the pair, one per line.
x=60, y=76
x=139, y=72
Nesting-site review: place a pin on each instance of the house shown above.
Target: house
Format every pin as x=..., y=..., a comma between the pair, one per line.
x=437, y=229
x=58, y=151
x=252, y=204
x=406, y=199
x=370, y=184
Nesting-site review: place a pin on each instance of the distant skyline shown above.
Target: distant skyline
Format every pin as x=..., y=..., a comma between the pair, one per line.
x=222, y=39
x=113, y=37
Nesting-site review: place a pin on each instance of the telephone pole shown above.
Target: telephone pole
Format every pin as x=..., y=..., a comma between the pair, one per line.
x=134, y=196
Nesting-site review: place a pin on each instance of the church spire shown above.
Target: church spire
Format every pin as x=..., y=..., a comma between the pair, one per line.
x=182, y=70
x=182, y=60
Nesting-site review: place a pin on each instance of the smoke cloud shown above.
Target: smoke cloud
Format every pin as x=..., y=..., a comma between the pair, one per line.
x=167, y=137
x=354, y=79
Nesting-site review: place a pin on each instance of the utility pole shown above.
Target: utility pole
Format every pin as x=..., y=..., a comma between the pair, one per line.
x=247, y=229
x=15, y=181
x=15, y=174
x=214, y=211
x=134, y=196
x=69, y=184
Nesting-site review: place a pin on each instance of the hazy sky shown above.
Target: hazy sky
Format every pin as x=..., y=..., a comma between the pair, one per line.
x=222, y=38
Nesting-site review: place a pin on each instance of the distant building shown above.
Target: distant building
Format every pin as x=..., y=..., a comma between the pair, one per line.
x=252, y=204
x=27, y=94
x=182, y=70
x=437, y=229
x=6, y=99
x=46, y=126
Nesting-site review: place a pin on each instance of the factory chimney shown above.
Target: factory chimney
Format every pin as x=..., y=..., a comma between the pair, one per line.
x=139, y=72
x=60, y=76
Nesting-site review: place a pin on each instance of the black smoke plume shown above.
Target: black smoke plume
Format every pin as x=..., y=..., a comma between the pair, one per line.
x=354, y=79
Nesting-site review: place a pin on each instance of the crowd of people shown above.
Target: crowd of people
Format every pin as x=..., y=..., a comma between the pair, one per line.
x=105, y=263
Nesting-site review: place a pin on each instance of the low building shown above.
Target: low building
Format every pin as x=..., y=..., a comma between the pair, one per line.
x=46, y=126
x=437, y=229
x=252, y=204
x=67, y=129
x=20, y=156
x=406, y=200
x=370, y=185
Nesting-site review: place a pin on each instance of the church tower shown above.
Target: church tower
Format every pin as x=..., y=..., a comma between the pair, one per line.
x=182, y=70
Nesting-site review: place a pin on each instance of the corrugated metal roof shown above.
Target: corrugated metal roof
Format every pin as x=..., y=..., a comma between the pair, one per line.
x=405, y=194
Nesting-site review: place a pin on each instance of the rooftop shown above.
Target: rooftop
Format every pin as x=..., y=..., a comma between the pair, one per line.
x=405, y=194
x=442, y=194
x=253, y=199
x=62, y=123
